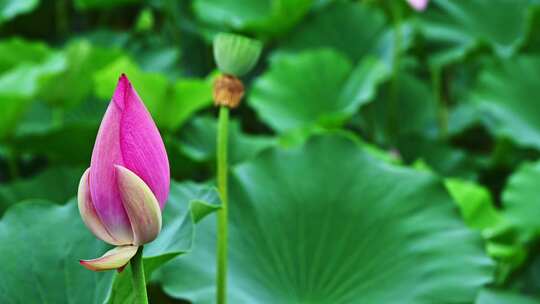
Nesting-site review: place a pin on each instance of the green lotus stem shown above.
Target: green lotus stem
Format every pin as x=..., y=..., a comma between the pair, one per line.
x=62, y=22
x=222, y=232
x=58, y=116
x=396, y=55
x=137, y=275
x=11, y=160
x=436, y=78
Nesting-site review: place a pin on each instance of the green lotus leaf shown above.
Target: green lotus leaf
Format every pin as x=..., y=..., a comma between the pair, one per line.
x=9, y=9
x=188, y=204
x=475, y=202
x=439, y=156
x=490, y=296
x=328, y=223
x=15, y=51
x=41, y=244
x=55, y=184
x=20, y=84
x=37, y=237
x=455, y=28
x=520, y=197
x=263, y=17
x=353, y=29
x=198, y=141
x=507, y=95
x=528, y=280
x=75, y=84
x=69, y=143
x=403, y=107
x=503, y=240
x=101, y=4
x=313, y=88
x=170, y=104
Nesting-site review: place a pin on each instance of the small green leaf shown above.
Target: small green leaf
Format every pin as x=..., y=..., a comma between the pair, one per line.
x=475, y=203
x=145, y=21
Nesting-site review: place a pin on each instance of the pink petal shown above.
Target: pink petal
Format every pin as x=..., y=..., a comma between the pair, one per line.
x=142, y=148
x=141, y=206
x=102, y=180
x=127, y=137
x=418, y=5
x=116, y=258
x=89, y=215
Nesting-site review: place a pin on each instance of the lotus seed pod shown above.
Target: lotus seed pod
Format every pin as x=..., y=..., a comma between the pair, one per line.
x=234, y=54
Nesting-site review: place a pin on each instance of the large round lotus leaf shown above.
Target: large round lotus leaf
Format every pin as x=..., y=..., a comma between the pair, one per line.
x=353, y=29
x=55, y=184
x=488, y=296
x=328, y=223
x=403, y=107
x=457, y=27
x=318, y=87
x=267, y=17
x=41, y=245
x=19, y=85
x=520, y=197
x=198, y=141
x=15, y=51
x=508, y=94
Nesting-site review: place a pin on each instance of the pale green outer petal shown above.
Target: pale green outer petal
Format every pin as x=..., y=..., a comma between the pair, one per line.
x=89, y=215
x=141, y=206
x=115, y=258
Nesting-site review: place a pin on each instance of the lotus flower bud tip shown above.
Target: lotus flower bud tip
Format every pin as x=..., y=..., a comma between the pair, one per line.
x=123, y=192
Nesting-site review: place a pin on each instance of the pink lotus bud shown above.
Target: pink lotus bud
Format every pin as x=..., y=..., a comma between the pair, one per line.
x=418, y=5
x=122, y=194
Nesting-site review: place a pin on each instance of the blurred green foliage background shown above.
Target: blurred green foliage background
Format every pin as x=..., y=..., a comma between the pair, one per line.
x=453, y=92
